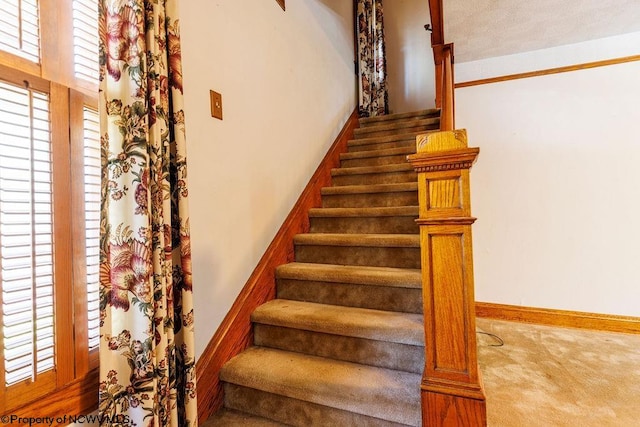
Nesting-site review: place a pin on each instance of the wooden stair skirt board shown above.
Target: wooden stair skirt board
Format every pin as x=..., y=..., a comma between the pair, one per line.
x=563, y=318
x=336, y=302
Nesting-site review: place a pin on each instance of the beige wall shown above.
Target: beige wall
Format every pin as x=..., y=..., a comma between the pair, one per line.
x=409, y=56
x=288, y=86
x=556, y=187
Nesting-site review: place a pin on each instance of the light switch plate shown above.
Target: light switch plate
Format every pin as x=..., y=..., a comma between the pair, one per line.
x=216, y=104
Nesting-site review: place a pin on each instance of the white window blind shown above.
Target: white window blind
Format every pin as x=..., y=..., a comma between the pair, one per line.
x=19, y=32
x=92, y=219
x=26, y=234
x=85, y=39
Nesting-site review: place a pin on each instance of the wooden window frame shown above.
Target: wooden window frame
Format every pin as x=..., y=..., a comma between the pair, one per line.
x=73, y=386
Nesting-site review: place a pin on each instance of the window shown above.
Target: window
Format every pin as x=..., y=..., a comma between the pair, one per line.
x=92, y=177
x=26, y=235
x=85, y=40
x=49, y=204
x=19, y=31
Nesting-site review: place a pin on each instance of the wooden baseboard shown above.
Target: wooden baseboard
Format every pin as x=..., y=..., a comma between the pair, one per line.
x=564, y=318
x=235, y=333
x=548, y=71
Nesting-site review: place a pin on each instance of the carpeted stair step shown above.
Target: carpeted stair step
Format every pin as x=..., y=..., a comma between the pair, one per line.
x=376, y=250
x=404, y=126
x=359, y=196
x=386, y=174
x=380, y=288
x=378, y=220
x=383, y=142
x=390, y=118
x=379, y=338
x=376, y=157
x=303, y=390
x=230, y=418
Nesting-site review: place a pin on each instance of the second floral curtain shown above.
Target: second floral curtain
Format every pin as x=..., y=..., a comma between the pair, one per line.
x=371, y=59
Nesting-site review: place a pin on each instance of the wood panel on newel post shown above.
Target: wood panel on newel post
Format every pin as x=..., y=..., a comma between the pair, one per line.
x=451, y=391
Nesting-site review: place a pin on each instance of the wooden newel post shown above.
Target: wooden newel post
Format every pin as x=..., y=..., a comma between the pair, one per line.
x=452, y=392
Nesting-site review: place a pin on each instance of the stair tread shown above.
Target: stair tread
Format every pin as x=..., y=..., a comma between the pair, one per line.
x=382, y=393
x=397, y=126
x=361, y=275
x=231, y=418
x=361, y=170
x=370, y=188
x=367, y=240
x=365, y=121
x=379, y=325
x=363, y=212
x=377, y=153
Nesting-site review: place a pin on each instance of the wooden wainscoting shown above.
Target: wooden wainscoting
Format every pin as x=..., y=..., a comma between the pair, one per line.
x=564, y=318
x=235, y=333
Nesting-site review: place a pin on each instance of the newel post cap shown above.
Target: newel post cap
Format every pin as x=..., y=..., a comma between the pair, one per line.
x=446, y=150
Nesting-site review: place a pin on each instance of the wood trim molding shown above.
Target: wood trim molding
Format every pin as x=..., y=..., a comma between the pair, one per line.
x=281, y=3
x=548, y=71
x=235, y=333
x=564, y=318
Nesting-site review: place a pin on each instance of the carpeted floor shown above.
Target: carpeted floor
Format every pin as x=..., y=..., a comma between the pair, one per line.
x=549, y=376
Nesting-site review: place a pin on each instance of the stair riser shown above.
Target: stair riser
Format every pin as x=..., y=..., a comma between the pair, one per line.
x=399, y=126
x=374, y=161
x=401, y=257
x=402, y=357
x=366, y=133
x=294, y=412
x=375, y=178
x=390, y=298
x=382, y=145
x=365, y=225
x=364, y=200
x=398, y=122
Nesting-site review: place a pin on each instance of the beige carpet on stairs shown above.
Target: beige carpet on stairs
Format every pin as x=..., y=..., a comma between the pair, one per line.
x=559, y=377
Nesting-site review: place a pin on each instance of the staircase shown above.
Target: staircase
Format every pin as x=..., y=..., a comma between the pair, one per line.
x=342, y=345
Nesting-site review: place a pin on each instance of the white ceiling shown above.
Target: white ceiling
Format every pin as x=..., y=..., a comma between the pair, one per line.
x=488, y=28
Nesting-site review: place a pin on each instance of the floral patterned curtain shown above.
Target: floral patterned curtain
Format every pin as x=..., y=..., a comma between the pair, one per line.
x=372, y=59
x=147, y=361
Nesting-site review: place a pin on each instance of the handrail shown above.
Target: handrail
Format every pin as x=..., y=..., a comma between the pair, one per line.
x=447, y=115
x=443, y=60
x=437, y=25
